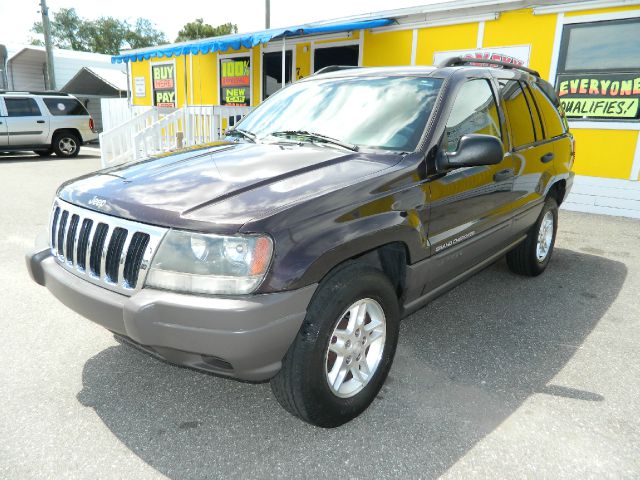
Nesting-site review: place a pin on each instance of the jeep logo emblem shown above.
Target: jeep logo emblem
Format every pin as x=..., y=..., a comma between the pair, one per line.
x=97, y=202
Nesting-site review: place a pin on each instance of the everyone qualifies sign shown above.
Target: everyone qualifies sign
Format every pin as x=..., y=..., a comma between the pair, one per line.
x=613, y=95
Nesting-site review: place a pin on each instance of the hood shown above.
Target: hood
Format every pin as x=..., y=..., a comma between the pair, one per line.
x=223, y=186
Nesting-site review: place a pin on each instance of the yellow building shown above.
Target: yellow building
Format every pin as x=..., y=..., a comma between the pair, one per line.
x=588, y=49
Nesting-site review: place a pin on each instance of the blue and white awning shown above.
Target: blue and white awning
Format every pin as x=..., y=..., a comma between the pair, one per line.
x=246, y=40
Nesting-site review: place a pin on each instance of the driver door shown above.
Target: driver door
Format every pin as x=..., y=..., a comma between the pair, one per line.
x=470, y=214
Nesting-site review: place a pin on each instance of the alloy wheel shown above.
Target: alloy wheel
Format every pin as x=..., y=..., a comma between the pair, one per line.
x=545, y=237
x=355, y=348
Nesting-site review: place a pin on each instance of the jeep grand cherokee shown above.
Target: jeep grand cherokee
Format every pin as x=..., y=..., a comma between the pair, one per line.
x=290, y=251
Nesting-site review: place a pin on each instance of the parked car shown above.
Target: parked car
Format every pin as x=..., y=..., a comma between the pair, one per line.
x=45, y=122
x=290, y=251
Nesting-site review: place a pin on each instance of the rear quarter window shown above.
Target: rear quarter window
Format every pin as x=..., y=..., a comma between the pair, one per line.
x=518, y=113
x=65, y=106
x=553, y=122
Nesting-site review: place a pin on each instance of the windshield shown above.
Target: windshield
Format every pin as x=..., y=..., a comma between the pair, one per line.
x=377, y=112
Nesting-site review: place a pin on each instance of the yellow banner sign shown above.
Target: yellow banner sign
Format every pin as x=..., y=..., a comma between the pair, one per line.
x=600, y=107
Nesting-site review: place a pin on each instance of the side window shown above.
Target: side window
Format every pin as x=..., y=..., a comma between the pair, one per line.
x=535, y=113
x=474, y=111
x=518, y=113
x=21, y=107
x=64, y=106
x=554, y=126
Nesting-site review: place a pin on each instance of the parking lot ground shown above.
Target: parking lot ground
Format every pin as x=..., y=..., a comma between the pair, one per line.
x=503, y=377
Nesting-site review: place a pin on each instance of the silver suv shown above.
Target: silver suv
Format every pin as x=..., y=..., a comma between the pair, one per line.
x=45, y=122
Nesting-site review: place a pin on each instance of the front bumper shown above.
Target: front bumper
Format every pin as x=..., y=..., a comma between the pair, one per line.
x=242, y=337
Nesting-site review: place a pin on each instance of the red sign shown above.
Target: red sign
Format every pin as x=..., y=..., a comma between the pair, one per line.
x=166, y=83
x=493, y=56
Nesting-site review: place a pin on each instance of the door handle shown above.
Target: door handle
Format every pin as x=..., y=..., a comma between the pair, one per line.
x=39, y=121
x=547, y=157
x=503, y=175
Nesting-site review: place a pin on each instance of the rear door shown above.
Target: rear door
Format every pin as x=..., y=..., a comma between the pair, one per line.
x=531, y=149
x=555, y=127
x=25, y=122
x=470, y=214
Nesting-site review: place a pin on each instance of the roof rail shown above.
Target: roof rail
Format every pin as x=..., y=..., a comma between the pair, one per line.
x=335, y=68
x=21, y=92
x=457, y=61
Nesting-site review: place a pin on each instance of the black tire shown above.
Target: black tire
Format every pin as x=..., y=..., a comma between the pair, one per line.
x=524, y=259
x=302, y=385
x=66, y=144
x=44, y=153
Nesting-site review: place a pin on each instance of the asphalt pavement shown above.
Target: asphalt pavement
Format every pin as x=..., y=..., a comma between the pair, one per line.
x=503, y=377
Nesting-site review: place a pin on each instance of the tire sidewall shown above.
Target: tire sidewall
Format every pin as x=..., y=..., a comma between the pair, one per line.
x=336, y=297
x=56, y=145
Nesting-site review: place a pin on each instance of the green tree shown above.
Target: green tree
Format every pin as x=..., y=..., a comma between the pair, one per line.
x=105, y=35
x=198, y=29
x=65, y=30
x=143, y=34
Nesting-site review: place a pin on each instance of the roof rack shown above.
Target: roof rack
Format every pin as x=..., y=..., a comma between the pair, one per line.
x=20, y=92
x=457, y=61
x=335, y=68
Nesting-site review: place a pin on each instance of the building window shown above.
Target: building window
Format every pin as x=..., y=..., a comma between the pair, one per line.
x=235, y=81
x=610, y=45
x=328, y=56
x=272, y=71
x=599, y=70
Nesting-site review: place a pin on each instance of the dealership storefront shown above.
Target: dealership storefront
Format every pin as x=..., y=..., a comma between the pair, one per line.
x=589, y=50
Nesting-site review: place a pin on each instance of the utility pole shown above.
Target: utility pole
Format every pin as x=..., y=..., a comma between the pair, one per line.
x=267, y=14
x=46, y=27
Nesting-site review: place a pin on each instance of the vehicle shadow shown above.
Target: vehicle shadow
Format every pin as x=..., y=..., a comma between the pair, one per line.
x=23, y=157
x=465, y=363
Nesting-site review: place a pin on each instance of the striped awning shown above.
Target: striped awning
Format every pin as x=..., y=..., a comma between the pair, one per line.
x=246, y=40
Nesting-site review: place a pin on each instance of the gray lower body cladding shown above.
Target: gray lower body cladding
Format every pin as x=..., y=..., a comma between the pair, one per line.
x=242, y=337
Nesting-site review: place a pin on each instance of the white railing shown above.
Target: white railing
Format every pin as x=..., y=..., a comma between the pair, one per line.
x=160, y=131
x=116, y=111
x=116, y=145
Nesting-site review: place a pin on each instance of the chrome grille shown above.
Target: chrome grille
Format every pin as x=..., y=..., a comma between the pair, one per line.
x=108, y=251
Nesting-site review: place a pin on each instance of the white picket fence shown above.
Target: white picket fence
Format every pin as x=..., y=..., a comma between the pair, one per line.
x=162, y=130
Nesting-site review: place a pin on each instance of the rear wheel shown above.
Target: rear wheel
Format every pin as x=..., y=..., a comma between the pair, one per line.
x=66, y=144
x=532, y=256
x=343, y=352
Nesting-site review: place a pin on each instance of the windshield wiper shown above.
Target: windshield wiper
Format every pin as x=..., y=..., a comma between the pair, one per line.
x=316, y=136
x=243, y=133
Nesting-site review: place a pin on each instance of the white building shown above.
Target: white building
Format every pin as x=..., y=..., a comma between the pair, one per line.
x=25, y=66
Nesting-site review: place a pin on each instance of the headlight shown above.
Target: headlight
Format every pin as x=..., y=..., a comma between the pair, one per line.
x=210, y=264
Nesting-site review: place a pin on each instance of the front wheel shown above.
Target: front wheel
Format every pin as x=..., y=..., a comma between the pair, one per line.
x=532, y=256
x=343, y=352
x=66, y=145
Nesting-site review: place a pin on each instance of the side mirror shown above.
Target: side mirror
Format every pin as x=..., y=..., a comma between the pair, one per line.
x=473, y=150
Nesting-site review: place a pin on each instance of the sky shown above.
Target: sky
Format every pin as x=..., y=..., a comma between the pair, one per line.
x=18, y=15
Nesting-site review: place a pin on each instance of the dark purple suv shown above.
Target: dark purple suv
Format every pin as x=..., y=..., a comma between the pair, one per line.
x=290, y=251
